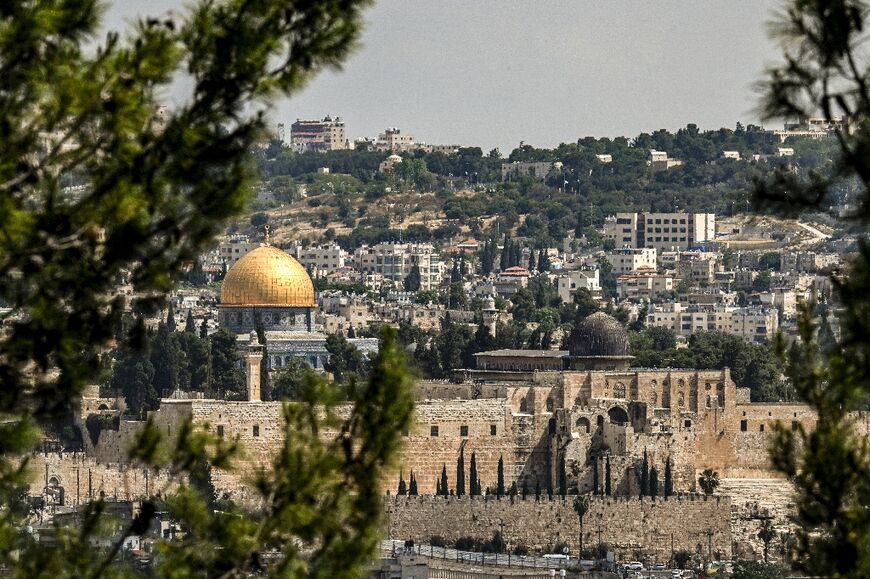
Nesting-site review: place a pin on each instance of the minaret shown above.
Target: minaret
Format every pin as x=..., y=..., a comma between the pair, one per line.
x=253, y=360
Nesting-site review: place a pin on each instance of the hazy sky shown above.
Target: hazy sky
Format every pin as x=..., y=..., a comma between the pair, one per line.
x=497, y=72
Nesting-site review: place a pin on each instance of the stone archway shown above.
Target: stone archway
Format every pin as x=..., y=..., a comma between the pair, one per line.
x=618, y=415
x=583, y=425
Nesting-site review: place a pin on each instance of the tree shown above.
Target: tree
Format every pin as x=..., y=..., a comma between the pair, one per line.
x=473, y=482
x=190, y=325
x=412, y=280
x=96, y=187
x=767, y=533
x=499, y=489
x=708, y=481
x=757, y=570
x=346, y=362
x=653, y=482
x=402, y=490
x=228, y=381
x=412, y=489
x=445, y=488
x=291, y=380
x=669, y=478
x=581, y=507
x=563, y=478
x=644, y=475
x=133, y=376
x=460, y=473
x=681, y=558
x=607, y=476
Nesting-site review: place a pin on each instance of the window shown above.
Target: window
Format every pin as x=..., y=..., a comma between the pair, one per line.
x=463, y=430
x=493, y=430
x=743, y=426
x=760, y=428
x=687, y=424
x=256, y=430
x=434, y=430
x=220, y=430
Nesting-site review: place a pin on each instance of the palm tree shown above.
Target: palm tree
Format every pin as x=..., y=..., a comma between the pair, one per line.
x=767, y=534
x=709, y=481
x=581, y=507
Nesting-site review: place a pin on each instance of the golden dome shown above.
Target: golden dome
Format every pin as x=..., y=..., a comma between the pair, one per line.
x=267, y=276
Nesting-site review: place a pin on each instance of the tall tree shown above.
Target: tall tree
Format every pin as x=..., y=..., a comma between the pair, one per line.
x=413, y=280
x=499, y=488
x=653, y=482
x=563, y=478
x=412, y=489
x=669, y=478
x=473, y=482
x=581, y=507
x=607, y=476
x=460, y=473
x=190, y=324
x=402, y=490
x=445, y=488
x=644, y=475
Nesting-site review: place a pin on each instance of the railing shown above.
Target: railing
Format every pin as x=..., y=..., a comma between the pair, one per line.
x=396, y=548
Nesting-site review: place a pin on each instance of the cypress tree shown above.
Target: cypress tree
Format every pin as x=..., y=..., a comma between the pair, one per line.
x=499, y=489
x=473, y=482
x=644, y=475
x=460, y=473
x=203, y=329
x=412, y=490
x=537, y=488
x=653, y=482
x=607, y=488
x=563, y=478
x=531, y=260
x=525, y=489
x=402, y=488
x=543, y=261
x=669, y=479
x=190, y=325
x=437, y=487
x=504, y=260
x=170, y=318
x=444, y=486
x=595, y=482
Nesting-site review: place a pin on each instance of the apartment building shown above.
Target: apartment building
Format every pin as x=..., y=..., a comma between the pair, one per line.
x=394, y=262
x=663, y=231
x=659, y=161
x=320, y=260
x=395, y=141
x=324, y=135
x=627, y=259
x=233, y=247
x=753, y=324
x=644, y=284
x=569, y=282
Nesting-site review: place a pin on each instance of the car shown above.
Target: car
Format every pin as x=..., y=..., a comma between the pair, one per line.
x=635, y=566
x=658, y=567
x=676, y=574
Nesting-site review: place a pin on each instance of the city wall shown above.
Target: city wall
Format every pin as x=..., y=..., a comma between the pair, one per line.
x=633, y=527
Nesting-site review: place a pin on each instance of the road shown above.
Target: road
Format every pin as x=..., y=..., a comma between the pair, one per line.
x=819, y=235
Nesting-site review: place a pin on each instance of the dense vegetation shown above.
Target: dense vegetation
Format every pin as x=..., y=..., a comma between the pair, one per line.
x=575, y=200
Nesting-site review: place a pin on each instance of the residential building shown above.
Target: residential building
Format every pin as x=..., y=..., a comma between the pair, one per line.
x=753, y=324
x=539, y=170
x=627, y=259
x=395, y=141
x=663, y=231
x=394, y=262
x=733, y=155
x=659, y=161
x=644, y=284
x=569, y=282
x=324, y=135
x=389, y=163
x=233, y=247
x=320, y=260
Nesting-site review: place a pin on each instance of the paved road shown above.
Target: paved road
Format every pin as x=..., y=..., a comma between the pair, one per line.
x=820, y=235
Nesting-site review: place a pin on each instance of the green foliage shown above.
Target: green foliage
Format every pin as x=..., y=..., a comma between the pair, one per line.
x=757, y=570
x=709, y=481
x=682, y=558
x=346, y=363
x=290, y=381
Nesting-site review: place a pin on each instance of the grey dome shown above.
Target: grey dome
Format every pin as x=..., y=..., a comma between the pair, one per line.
x=599, y=335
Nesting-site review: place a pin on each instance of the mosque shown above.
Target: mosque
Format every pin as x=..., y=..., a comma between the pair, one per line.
x=270, y=290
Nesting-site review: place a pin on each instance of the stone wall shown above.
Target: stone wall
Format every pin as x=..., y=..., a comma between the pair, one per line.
x=633, y=527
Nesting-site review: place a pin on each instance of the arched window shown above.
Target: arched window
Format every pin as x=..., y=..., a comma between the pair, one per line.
x=619, y=390
x=618, y=415
x=583, y=425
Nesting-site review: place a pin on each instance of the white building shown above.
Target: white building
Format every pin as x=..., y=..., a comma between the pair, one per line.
x=659, y=161
x=753, y=324
x=626, y=260
x=233, y=247
x=321, y=260
x=539, y=170
x=394, y=261
x=643, y=284
x=324, y=135
x=664, y=231
x=395, y=141
x=569, y=282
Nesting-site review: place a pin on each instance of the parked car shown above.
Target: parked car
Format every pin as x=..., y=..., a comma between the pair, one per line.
x=658, y=567
x=635, y=566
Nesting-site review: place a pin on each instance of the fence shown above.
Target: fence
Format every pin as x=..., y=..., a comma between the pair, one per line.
x=396, y=548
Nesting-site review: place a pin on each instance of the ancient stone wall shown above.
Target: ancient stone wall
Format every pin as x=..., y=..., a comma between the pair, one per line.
x=633, y=527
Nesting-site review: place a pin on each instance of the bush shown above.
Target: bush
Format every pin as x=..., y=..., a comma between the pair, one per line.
x=437, y=541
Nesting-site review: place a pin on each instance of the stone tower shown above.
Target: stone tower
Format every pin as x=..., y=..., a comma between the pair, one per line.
x=253, y=360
